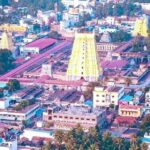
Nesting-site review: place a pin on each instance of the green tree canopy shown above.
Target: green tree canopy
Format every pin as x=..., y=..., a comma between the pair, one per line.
x=39, y=4
x=6, y=60
x=120, y=36
x=13, y=85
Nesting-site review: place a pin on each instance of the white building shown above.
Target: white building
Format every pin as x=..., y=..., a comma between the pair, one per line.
x=146, y=108
x=25, y=114
x=103, y=97
x=46, y=69
x=30, y=133
x=147, y=99
x=4, y=103
x=75, y=3
x=9, y=145
x=146, y=139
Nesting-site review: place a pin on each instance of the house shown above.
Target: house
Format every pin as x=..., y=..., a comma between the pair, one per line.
x=104, y=96
x=130, y=110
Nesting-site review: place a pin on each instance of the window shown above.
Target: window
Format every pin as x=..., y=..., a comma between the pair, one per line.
x=55, y=116
x=93, y=119
x=60, y=116
x=97, y=95
x=103, y=101
x=82, y=118
x=97, y=101
x=71, y=117
x=77, y=118
x=103, y=95
x=112, y=101
x=66, y=117
x=113, y=96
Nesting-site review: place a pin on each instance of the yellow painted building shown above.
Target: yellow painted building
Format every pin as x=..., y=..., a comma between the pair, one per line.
x=83, y=63
x=141, y=28
x=12, y=28
x=129, y=110
x=6, y=42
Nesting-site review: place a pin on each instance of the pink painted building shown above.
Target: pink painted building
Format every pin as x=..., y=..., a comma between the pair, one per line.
x=68, y=118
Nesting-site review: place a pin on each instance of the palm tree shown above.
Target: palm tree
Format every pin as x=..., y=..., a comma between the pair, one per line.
x=93, y=147
x=134, y=143
x=134, y=140
x=144, y=146
x=134, y=147
x=118, y=142
x=59, y=135
x=48, y=146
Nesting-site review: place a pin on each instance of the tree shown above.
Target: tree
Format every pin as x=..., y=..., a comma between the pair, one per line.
x=120, y=144
x=13, y=85
x=118, y=10
x=48, y=146
x=95, y=136
x=35, y=5
x=59, y=136
x=1, y=92
x=3, y=2
x=18, y=107
x=36, y=28
x=54, y=35
x=120, y=36
x=93, y=147
x=6, y=60
x=25, y=123
x=112, y=106
x=145, y=125
x=144, y=146
x=89, y=92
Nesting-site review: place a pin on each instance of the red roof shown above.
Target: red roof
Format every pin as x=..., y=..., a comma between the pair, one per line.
x=129, y=106
x=128, y=120
x=114, y=64
x=41, y=43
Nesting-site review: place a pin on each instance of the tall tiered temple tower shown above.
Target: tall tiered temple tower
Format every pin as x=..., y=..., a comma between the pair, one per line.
x=141, y=27
x=83, y=63
x=6, y=42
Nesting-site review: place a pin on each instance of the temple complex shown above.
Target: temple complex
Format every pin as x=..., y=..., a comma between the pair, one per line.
x=6, y=42
x=83, y=63
x=141, y=27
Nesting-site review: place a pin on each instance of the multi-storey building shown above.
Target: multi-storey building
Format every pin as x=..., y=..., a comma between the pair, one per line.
x=24, y=114
x=9, y=145
x=146, y=107
x=69, y=118
x=103, y=97
x=127, y=110
x=147, y=99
